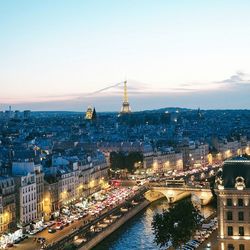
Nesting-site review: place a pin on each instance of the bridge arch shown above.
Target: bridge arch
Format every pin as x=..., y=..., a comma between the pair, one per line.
x=204, y=196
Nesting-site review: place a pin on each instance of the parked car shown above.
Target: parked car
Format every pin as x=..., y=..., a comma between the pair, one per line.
x=51, y=230
x=18, y=240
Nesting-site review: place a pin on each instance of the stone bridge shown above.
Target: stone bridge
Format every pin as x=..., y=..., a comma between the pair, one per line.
x=173, y=194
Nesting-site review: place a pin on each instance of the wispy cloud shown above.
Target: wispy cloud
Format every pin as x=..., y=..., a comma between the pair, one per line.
x=141, y=89
x=240, y=78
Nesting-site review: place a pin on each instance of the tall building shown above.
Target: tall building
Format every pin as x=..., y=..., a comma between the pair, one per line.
x=26, y=199
x=125, y=105
x=30, y=190
x=233, y=191
x=7, y=204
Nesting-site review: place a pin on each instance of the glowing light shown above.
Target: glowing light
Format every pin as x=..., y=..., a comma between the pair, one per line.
x=246, y=202
x=236, y=237
x=92, y=184
x=222, y=246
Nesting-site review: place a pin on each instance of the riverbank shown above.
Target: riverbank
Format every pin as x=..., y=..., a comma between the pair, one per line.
x=139, y=229
x=114, y=226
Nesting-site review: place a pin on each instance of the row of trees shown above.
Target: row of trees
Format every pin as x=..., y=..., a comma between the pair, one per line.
x=120, y=160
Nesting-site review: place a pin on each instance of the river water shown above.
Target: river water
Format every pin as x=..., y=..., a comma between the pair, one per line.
x=137, y=232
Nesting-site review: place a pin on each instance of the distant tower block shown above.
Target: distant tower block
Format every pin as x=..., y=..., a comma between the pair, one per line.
x=125, y=105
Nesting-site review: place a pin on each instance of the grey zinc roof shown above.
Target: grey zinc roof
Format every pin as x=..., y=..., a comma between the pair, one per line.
x=236, y=167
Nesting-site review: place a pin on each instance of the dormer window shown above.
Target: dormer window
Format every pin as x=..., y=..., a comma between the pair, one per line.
x=240, y=183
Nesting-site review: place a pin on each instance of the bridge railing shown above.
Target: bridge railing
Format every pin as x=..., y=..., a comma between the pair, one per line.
x=206, y=186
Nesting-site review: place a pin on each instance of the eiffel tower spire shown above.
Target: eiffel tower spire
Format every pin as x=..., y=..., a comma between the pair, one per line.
x=125, y=104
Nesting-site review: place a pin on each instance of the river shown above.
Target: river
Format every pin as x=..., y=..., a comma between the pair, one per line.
x=137, y=232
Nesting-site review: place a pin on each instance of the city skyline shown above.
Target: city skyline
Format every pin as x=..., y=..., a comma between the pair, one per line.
x=188, y=54
x=124, y=124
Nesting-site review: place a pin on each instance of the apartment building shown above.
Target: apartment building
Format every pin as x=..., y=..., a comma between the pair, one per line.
x=7, y=204
x=233, y=190
x=27, y=198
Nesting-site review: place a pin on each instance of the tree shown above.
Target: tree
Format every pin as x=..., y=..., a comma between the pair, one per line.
x=69, y=246
x=212, y=180
x=120, y=160
x=177, y=224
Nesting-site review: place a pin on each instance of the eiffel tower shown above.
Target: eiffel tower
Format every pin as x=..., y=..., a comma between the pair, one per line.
x=125, y=105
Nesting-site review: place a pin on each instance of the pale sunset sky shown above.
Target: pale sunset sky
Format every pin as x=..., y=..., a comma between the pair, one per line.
x=57, y=55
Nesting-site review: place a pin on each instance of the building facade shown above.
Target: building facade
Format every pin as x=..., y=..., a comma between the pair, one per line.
x=27, y=199
x=233, y=190
x=7, y=204
x=163, y=162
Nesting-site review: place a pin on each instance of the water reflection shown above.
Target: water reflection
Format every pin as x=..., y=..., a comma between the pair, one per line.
x=137, y=233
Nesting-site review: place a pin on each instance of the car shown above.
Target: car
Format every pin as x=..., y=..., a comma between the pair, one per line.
x=59, y=225
x=66, y=224
x=9, y=245
x=207, y=236
x=191, y=244
x=196, y=241
x=18, y=240
x=23, y=237
x=33, y=232
x=40, y=229
x=41, y=240
x=51, y=223
x=189, y=247
x=51, y=230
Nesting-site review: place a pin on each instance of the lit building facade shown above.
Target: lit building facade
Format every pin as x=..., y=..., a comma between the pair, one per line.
x=164, y=162
x=194, y=155
x=72, y=181
x=51, y=197
x=66, y=188
x=233, y=191
x=25, y=169
x=227, y=148
x=7, y=204
x=27, y=199
x=90, y=113
x=39, y=175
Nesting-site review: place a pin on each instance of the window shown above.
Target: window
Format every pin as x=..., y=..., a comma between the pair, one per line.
x=229, y=202
x=240, y=202
x=230, y=247
x=241, y=247
x=229, y=215
x=230, y=231
x=241, y=216
x=241, y=231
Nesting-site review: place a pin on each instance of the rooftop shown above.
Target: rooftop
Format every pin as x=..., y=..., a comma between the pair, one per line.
x=235, y=168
